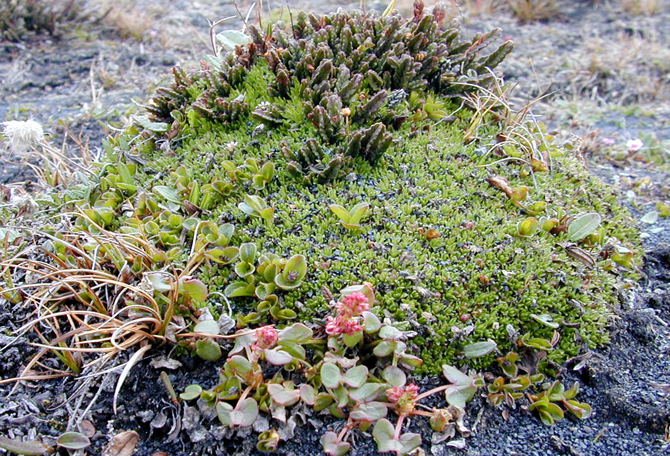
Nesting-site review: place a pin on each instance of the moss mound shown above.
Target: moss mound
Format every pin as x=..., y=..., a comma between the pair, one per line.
x=351, y=140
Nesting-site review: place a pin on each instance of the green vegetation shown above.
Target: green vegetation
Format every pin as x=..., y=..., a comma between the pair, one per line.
x=331, y=152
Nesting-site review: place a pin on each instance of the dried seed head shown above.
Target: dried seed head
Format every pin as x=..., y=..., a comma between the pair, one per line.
x=22, y=135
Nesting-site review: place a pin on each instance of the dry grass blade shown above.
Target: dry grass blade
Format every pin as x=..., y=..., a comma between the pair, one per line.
x=137, y=356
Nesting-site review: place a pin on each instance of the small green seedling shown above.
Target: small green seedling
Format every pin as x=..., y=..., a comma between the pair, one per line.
x=350, y=219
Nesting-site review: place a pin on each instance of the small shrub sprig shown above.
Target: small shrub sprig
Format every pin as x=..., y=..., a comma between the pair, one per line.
x=550, y=400
x=358, y=372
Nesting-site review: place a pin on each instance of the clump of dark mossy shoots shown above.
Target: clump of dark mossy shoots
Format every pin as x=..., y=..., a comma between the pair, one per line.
x=21, y=17
x=341, y=150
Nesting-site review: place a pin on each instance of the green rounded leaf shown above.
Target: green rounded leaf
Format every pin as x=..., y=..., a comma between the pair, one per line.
x=245, y=413
x=332, y=447
x=248, y=252
x=191, y=392
x=297, y=333
x=356, y=376
x=583, y=226
x=384, y=348
x=207, y=327
x=371, y=322
x=308, y=394
x=330, y=375
x=73, y=441
x=389, y=332
x=293, y=274
x=208, y=349
x=230, y=39
x=394, y=376
x=371, y=411
x=277, y=357
x=282, y=395
x=194, y=289
x=479, y=349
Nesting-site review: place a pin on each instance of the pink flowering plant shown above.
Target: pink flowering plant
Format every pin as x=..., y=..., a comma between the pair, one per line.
x=321, y=367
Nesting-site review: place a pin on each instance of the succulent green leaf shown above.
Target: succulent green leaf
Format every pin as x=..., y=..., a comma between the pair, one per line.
x=384, y=435
x=249, y=210
x=535, y=342
x=460, y=395
x=365, y=393
x=323, y=401
x=583, y=226
x=208, y=349
x=297, y=333
x=293, y=274
x=308, y=394
x=194, y=289
x=330, y=375
x=222, y=255
x=239, y=365
x=372, y=411
x=160, y=282
x=245, y=413
x=357, y=213
x=239, y=288
x=287, y=314
x=340, y=212
x=282, y=395
x=353, y=339
x=191, y=392
x=73, y=440
x=267, y=214
x=546, y=320
x=409, y=361
x=207, y=327
x=572, y=392
x=579, y=409
x=248, y=252
x=244, y=269
x=394, y=376
x=168, y=193
x=230, y=39
x=332, y=447
x=479, y=349
x=389, y=332
x=455, y=376
x=27, y=447
x=356, y=376
x=371, y=322
x=277, y=357
x=223, y=410
x=384, y=348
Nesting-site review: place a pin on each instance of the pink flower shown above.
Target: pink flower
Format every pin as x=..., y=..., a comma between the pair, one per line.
x=267, y=337
x=634, y=145
x=404, y=398
x=342, y=325
x=394, y=394
x=353, y=305
x=403, y=393
x=608, y=141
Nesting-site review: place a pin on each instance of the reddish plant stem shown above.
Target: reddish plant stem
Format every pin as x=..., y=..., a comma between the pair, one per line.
x=432, y=391
x=398, y=427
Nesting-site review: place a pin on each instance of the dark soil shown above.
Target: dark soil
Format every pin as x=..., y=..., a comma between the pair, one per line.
x=81, y=84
